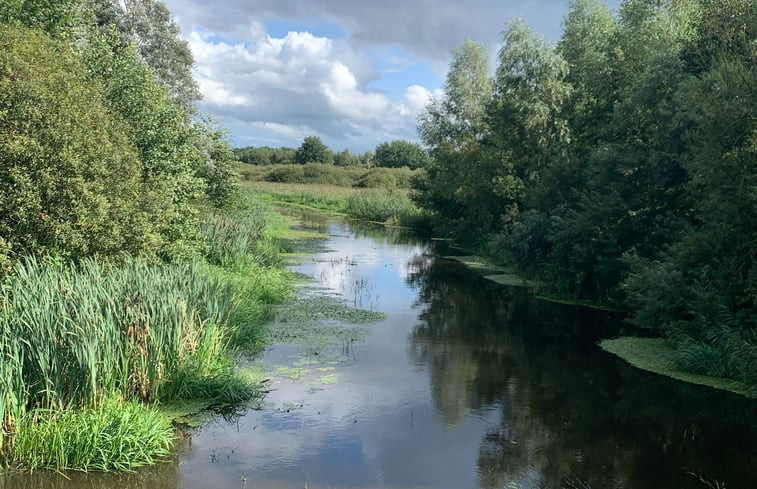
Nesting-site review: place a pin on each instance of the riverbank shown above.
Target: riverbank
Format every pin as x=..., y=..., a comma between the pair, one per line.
x=657, y=356
x=125, y=347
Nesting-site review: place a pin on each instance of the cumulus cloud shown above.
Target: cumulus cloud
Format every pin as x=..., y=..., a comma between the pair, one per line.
x=299, y=84
x=429, y=29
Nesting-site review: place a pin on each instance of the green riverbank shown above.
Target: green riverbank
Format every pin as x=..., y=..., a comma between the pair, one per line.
x=655, y=355
x=126, y=347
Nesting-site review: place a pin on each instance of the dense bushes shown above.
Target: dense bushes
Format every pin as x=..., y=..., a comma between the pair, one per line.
x=350, y=176
x=70, y=181
x=618, y=166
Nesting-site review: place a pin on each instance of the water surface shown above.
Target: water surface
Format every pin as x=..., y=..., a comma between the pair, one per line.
x=466, y=384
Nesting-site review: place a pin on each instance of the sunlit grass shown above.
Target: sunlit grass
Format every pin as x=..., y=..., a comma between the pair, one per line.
x=75, y=336
x=114, y=436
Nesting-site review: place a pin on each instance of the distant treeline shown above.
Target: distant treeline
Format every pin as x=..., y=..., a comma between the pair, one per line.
x=394, y=154
x=619, y=166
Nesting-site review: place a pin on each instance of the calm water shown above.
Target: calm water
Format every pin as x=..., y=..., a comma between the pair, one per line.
x=466, y=384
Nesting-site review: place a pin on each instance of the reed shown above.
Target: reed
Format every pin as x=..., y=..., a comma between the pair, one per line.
x=114, y=436
x=74, y=336
x=94, y=343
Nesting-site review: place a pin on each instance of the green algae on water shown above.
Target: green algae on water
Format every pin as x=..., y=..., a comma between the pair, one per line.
x=656, y=356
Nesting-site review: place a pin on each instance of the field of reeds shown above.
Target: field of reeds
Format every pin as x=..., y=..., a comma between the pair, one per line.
x=89, y=351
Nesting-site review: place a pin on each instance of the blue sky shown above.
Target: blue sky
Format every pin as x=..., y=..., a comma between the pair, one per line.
x=353, y=73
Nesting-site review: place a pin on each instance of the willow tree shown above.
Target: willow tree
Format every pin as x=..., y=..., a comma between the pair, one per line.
x=452, y=127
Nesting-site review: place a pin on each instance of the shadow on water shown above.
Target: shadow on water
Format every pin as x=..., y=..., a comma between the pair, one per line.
x=570, y=415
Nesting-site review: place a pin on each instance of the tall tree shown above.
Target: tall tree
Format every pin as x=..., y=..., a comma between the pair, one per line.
x=148, y=24
x=452, y=128
x=312, y=150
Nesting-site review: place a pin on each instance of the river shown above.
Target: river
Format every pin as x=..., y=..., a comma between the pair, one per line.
x=466, y=384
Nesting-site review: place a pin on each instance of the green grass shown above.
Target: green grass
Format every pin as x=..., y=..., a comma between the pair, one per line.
x=386, y=206
x=114, y=436
x=74, y=336
x=655, y=355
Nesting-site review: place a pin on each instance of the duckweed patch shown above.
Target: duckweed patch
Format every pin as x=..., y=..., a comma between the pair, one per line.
x=329, y=379
x=478, y=263
x=656, y=356
x=320, y=326
x=510, y=280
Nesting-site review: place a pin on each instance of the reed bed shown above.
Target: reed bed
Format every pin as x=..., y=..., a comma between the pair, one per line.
x=95, y=343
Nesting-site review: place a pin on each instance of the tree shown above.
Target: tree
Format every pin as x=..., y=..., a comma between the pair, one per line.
x=452, y=128
x=57, y=18
x=162, y=135
x=345, y=158
x=312, y=150
x=148, y=25
x=70, y=179
x=459, y=117
x=398, y=153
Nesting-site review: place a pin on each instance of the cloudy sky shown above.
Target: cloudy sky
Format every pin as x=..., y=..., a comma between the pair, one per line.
x=353, y=72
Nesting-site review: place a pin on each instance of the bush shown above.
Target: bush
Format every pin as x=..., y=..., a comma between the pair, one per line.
x=69, y=177
x=286, y=174
x=377, y=178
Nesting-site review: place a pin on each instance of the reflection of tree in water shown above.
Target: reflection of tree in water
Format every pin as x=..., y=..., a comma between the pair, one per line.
x=570, y=415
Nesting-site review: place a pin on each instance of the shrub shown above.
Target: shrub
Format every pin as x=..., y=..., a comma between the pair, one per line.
x=286, y=174
x=377, y=178
x=69, y=177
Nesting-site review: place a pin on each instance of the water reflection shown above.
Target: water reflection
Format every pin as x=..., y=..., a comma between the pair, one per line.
x=569, y=415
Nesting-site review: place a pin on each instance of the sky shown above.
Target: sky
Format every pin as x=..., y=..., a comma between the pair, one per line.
x=355, y=73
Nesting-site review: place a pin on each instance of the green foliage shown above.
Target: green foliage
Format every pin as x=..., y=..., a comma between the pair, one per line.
x=148, y=25
x=377, y=178
x=58, y=19
x=114, y=436
x=216, y=166
x=348, y=176
x=164, y=140
x=312, y=150
x=452, y=128
x=70, y=179
x=618, y=168
x=346, y=158
x=398, y=153
x=265, y=155
x=286, y=174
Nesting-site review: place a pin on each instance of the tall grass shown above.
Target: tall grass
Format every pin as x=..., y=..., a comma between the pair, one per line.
x=112, y=436
x=387, y=207
x=74, y=337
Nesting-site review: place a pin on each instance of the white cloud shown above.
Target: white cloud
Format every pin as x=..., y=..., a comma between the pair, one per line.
x=297, y=85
